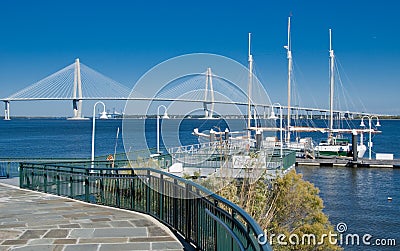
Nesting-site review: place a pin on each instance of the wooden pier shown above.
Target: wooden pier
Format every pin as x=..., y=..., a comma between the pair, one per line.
x=349, y=162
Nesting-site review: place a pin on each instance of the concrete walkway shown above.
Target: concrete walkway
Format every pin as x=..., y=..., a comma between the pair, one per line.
x=35, y=221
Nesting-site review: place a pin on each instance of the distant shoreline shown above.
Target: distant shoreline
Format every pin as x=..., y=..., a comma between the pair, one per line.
x=389, y=117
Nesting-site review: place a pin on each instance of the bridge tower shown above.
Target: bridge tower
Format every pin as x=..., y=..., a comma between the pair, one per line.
x=77, y=92
x=209, y=89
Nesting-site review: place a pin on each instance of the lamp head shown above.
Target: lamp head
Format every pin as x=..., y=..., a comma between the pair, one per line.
x=377, y=123
x=104, y=115
x=273, y=116
x=362, y=123
x=165, y=116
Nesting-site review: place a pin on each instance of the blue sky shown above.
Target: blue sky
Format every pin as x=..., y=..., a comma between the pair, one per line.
x=124, y=39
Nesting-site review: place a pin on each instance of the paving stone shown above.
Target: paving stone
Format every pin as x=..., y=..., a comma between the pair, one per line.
x=58, y=248
x=32, y=234
x=8, y=218
x=81, y=233
x=156, y=231
x=73, y=225
x=57, y=233
x=75, y=216
x=12, y=225
x=103, y=240
x=47, y=222
x=101, y=219
x=37, y=225
x=142, y=223
x=151, y=239
x=165, y=245
x=120, y=232
x=9, y=234
x=37, y=248
x=40, y=241
x=82, y=247
x=81, y=221
x=130, y=216
x=120, y=224
x=95, y=225
x=13, y=242
x=65, y=241
x=102, y=213
x=127, y=246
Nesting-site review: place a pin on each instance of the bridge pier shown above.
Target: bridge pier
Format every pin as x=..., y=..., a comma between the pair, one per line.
x=6, y=110
x=77, y=108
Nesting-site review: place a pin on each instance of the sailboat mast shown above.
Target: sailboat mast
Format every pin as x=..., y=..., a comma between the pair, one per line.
x=249, y=87
x=289, y=57
x=332, y=83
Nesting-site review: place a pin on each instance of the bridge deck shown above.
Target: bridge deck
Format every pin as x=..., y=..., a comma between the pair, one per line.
x=36, y=221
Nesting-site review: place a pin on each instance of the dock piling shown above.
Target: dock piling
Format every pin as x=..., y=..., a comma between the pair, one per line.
x=354, y=145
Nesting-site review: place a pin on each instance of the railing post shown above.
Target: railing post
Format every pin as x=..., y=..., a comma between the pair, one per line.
x=148, y=192
x=32, y=174
x=215, y=226
x=58, y=183
x=118, y=193
x=233, y=226
x=71, y=183
x=187, y=212
x=71, y=186
x=133, y=193
x=102, y=191
x=45, y=179
x=8, y=174
x=161, y=194
x=196, y=216
x=21, y=174
x=175, y=205
x=87, y=186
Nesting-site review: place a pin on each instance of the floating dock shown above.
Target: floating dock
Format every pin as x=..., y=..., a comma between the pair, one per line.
x=349, y=162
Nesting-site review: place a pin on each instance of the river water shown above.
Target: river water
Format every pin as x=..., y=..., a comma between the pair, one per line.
x=357, y=197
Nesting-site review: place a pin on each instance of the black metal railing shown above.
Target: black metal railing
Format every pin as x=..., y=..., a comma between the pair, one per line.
x=206, y=220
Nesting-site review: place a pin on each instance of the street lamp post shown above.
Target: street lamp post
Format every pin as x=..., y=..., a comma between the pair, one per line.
x=165, y=116
x=370, y=117
x=103, y=116
x=280, y=124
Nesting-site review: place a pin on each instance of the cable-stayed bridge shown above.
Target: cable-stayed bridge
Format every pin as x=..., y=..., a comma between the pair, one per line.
x=78, y=82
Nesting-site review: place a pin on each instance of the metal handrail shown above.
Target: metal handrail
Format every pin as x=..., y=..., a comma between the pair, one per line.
x=179, y=203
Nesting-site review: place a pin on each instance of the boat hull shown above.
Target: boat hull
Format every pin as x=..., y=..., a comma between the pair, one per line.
x=340, y=150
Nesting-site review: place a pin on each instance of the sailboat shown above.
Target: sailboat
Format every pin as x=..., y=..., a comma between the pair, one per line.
x=336, y=145
x=304, y=147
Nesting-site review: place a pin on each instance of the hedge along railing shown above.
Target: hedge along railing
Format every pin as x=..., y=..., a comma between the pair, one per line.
x=206, y=220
